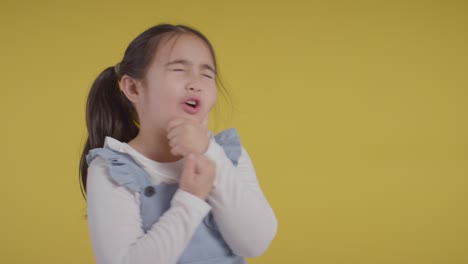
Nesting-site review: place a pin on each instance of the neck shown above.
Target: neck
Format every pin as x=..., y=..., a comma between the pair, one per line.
x=154, y=146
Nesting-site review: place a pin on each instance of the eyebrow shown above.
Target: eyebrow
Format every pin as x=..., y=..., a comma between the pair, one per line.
x=186, y=62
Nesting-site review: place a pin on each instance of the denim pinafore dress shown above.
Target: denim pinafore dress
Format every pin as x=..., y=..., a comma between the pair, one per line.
x=207, y=246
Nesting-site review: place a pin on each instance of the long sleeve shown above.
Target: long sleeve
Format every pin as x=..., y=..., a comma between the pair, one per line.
x=115, y=223
x=240, y=209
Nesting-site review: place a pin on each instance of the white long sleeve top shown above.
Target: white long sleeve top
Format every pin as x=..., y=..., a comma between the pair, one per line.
x=241, y=211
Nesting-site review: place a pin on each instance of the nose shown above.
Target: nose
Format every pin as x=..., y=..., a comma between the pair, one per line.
x=193, y=85
x=193, y=88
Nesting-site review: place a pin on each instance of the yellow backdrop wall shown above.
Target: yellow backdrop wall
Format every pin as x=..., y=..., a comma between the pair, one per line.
x=354, y=113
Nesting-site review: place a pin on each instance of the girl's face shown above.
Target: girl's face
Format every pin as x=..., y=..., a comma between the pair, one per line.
x=180, y=82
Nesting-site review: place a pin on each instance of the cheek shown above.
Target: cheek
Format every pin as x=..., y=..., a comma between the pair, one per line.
x=164, y=102
x=215, y=96
x=212, y=97
x=159, y=102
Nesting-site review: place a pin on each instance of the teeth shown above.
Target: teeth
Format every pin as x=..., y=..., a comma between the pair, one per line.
x=191, y=102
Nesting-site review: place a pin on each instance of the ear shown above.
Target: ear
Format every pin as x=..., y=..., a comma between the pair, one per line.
x=131, y=88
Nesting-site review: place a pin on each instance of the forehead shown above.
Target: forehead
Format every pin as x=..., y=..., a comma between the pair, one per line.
x=184, y=46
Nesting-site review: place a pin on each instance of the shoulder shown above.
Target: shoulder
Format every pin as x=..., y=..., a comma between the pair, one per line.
x=101, y=186
x=99, y=177
x=121, y=167
x=229, y=141
x=97, y=166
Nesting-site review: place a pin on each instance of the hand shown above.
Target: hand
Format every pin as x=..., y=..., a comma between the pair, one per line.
x=188, y=136
x=198, y=176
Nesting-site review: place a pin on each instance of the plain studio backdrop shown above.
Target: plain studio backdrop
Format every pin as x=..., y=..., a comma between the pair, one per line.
x=354, y=113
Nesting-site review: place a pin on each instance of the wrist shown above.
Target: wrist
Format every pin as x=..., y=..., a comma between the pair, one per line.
x=207, y=144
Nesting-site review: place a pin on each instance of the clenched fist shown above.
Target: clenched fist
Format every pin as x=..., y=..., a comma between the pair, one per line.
x=188, y=136
x=198, y=176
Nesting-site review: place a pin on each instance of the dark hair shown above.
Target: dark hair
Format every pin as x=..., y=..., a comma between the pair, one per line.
x=108, y=111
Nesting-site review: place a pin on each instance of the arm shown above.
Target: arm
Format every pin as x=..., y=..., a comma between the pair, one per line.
x=241, y=211
x=115, y=224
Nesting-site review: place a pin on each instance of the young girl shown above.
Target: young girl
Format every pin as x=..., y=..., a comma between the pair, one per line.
x=160, y=188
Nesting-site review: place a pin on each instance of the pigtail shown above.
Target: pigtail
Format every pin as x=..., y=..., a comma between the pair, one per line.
x=108, y=113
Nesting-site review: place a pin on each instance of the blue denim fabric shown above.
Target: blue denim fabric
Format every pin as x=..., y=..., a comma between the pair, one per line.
x=230, y=141
x=207, y=246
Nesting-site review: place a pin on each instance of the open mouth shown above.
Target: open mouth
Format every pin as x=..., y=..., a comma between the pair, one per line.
x=191, y=105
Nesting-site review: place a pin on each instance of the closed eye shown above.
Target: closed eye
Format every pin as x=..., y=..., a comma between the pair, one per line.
x=177, y=70
x=209, y=76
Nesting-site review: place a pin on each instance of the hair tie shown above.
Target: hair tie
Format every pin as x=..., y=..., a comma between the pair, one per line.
x=117, y=68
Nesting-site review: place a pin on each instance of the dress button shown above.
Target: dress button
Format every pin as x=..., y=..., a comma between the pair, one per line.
x=149, y=191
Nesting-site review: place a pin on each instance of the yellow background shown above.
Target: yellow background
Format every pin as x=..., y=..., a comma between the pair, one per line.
x=355, y=114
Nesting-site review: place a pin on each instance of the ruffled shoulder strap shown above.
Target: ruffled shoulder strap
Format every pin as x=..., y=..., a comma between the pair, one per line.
x=229, y=140
x=123, y=168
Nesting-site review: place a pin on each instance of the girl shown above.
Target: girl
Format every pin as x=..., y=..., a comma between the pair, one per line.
x=160, y=188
